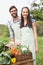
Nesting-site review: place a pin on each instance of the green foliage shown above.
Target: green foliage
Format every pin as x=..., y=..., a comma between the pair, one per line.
x=40, y=28
x=39, y=56
x=4, y=39
x=4, y=58
x=1, y=46
x=35, y=4
x=4, y=31
x=37, y=14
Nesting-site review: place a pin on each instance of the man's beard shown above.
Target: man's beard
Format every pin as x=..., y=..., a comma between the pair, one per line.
x=14, y=16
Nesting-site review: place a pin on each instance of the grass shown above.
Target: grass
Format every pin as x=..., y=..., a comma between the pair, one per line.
x=39, y=56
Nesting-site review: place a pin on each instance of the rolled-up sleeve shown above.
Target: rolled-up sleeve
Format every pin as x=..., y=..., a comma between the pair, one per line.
x=33, y=20
x=10, y=30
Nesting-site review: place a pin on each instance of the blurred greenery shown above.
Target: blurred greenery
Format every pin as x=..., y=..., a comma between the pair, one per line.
x=4, y=31
x=39, y=57
x=4, y=39
x=40, y=28
x=37, y=14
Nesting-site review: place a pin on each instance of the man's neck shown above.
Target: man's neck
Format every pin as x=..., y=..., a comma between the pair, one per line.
x=15, y=19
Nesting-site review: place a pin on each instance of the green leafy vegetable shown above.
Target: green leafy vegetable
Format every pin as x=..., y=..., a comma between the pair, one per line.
x=4, y=58
x=1, y=46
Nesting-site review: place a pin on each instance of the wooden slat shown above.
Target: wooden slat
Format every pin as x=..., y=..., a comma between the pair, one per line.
x=22, y=62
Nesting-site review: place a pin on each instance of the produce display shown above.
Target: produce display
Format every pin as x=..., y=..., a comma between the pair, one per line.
x=19, y=53
x=20, y=49
x=15, y=54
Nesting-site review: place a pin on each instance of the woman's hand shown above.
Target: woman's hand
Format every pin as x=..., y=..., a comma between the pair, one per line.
x=37, y=49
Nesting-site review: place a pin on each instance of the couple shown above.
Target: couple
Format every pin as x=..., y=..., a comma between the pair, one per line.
x=23, y=30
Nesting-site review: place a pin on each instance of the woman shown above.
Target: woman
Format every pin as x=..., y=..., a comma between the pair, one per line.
x=29, y=34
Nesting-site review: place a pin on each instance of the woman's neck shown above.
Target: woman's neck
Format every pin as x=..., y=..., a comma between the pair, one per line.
x=25, y=21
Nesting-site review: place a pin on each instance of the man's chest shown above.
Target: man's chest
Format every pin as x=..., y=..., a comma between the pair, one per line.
x=15, y=26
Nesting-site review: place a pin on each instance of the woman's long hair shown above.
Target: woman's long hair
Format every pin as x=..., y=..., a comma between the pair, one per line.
x=29, y=22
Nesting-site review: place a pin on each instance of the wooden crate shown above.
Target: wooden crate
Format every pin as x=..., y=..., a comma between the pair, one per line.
x=23, y=57
x=25, y=62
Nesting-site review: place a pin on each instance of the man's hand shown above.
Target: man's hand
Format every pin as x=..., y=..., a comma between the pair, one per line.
x=11, y=40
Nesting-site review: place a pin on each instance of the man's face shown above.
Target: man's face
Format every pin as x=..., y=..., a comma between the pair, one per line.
x=13, y=12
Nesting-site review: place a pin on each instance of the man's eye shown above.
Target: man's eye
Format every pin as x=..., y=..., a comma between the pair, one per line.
x=13, y=11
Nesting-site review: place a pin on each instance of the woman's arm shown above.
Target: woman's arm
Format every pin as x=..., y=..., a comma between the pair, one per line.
x=35, y=35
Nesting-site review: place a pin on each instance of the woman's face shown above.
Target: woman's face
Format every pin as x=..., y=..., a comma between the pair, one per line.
x=25, y=12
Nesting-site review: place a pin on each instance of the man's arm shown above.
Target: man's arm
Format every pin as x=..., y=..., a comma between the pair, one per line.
x=11, y=32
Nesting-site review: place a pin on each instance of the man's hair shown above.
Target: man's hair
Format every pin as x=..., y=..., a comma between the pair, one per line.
x=12, y=8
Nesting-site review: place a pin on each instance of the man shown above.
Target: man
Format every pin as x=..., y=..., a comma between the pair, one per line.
x=14, y=27
x=13, y=24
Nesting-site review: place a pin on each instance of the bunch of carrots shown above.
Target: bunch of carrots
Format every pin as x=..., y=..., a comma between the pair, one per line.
x=15, y=51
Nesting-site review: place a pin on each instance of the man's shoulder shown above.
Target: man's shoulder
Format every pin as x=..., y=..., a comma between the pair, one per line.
x=9, y=21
